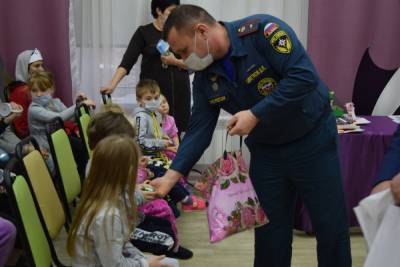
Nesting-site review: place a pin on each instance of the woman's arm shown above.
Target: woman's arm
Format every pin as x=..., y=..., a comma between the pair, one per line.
x=135, y=48
x=117, y=77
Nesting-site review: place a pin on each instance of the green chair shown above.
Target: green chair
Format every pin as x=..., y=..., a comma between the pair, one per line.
x=39, y=177
x=83, y=123
x=67, y=176
x=38, y=247
x=82, y=117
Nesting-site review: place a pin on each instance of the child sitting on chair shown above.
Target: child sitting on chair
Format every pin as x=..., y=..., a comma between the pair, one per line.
x=45, y=108
x=149, y=219
x=106, y=214
x=169, y=127
x=154, y=142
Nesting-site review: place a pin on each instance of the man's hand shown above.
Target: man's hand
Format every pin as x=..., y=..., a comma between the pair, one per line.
x=163, y=184
x=395, y=187
x=242, y=123
x=381, y=187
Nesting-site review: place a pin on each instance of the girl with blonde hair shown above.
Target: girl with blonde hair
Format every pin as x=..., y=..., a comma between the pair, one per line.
x=106, y=214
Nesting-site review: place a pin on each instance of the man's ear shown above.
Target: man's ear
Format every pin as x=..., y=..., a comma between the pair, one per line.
x=202, y=30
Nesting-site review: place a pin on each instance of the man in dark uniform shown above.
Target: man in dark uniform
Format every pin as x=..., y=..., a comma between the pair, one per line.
x=389, y=173
x=257, y=70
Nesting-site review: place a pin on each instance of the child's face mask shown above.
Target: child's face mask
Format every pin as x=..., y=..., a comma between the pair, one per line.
x=42, y=100
x=152, y=105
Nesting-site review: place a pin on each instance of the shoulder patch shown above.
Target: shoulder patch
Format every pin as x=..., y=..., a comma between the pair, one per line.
x=248, y=27
x=281, y=42
x=270, y=28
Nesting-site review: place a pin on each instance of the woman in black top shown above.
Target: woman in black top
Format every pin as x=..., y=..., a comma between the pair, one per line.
x=172, y=78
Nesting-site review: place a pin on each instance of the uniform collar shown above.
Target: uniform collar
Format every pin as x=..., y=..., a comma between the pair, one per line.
x=235, y=42
x=237, y=50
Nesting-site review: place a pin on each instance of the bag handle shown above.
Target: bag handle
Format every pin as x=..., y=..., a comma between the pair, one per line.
x=226, y=141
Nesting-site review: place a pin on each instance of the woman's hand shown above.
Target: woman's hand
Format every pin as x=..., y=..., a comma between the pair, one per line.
x=89, y=103
x=107, y=89
x=169, y=59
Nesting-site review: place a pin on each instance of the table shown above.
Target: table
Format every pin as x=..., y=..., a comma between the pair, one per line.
x=360, y=156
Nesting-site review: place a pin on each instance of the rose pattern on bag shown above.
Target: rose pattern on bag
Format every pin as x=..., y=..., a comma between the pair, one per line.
x=261, y=218
x=245, y=216
x=240, y=161
x=233, y=205
x=227, y=166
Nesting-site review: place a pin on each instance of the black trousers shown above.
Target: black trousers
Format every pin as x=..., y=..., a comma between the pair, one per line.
x=153, y=224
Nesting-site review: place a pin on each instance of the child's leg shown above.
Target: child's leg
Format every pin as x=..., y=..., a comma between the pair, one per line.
x=7, y=238
x=179, y=193
x=160, y=208
x=170, y=262
x=154, y=235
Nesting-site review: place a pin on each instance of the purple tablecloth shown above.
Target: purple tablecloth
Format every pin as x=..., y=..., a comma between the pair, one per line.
x=360, y=156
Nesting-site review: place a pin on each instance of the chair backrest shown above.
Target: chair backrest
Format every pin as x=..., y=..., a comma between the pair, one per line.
x=67, y=176
x=30, y=228
x=83, y=122
x=106, y=98
x=42, y=184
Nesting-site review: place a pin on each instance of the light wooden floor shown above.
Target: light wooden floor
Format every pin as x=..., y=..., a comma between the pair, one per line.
x=235, y=251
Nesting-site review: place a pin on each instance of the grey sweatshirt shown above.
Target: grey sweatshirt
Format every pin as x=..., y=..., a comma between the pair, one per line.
x=39, y=116
x=107, y=244
x=145, y=131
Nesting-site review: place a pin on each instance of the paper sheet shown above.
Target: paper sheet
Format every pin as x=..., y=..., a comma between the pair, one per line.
x=385, y=248
x=371, y=211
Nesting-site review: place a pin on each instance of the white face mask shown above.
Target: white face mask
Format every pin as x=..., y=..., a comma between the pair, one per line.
x=43, y=100
x=152, y=105
x=196, y=63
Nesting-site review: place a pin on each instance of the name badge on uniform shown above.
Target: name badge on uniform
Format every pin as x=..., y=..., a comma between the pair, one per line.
x=217, y=100
x=216, y=96
x=255, y=74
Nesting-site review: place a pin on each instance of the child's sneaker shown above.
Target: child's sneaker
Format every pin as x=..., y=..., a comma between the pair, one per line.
x=182, y=253
x=198, y=204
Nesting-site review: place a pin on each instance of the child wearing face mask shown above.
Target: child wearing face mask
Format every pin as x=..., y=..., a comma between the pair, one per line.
x=45, y=108
x=154, y=142
x=169, y=127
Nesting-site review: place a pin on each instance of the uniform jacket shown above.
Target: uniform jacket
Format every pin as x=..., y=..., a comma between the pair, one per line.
x=271, y=75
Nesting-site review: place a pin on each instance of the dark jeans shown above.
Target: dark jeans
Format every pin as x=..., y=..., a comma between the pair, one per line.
x=154, y=224
x=310, y=168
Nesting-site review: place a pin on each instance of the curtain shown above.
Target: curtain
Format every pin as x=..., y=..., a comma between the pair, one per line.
x=354, y=45
x=41, y=24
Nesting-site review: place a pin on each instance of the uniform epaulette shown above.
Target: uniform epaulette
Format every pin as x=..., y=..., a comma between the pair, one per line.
x=248, y=27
